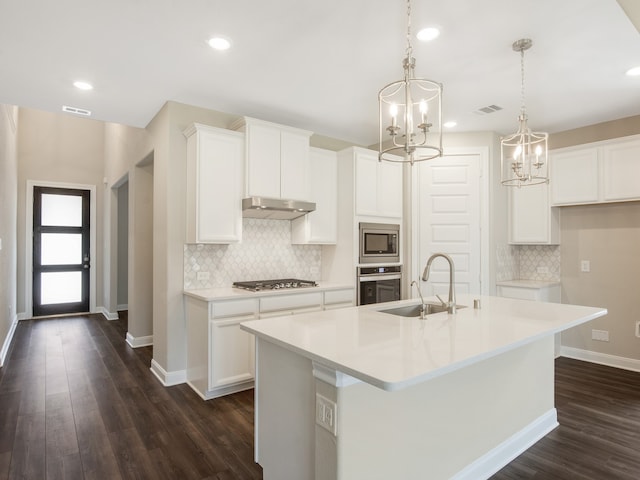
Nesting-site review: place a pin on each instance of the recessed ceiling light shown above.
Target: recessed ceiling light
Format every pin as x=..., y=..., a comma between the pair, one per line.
x=634, y=72
x=428, y=34
x=82, y=85
x=450, y=124
x=219, y=43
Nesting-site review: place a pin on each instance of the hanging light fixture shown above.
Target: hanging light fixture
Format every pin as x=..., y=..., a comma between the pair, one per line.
x=410, y=109
x=524, y=154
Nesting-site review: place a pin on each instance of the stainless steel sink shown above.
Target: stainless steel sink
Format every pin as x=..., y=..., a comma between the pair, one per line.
x=415, y=310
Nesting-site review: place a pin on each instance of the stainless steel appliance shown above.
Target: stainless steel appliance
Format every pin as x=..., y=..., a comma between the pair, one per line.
x=258, y=285
x=379, y=284
x=379, y=243
x=275, y=208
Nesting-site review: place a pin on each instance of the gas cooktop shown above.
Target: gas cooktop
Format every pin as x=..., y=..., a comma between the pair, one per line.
x=277, y=284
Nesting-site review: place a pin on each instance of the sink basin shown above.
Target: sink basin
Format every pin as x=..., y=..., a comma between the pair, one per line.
x=414, y=310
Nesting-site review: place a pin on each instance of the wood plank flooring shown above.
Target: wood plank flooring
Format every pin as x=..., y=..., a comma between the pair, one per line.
x=77, y=402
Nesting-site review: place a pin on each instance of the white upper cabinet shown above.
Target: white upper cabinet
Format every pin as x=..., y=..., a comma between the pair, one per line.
x=214, y=184
x=321, y=225
x=531, y=219
x=378, y=185
x=574, y=176
x=621, y=171
x=596, y=173
x=277, y=160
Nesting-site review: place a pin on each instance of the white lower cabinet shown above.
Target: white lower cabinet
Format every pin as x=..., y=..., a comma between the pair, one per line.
x=220, y=355
x=530, y=290
x=339, y=299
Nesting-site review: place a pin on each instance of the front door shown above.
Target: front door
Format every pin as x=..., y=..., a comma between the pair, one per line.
x=61, y=241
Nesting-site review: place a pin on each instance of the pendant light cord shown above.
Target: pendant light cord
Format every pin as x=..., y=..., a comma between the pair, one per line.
x=409, y=48
x=522, y=107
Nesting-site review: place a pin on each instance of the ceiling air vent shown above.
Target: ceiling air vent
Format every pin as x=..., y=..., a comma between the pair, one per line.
x=487, y=110
x=76, y=110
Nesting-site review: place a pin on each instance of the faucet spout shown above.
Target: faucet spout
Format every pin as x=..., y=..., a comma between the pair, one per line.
x=451, y=304
x=422, y=304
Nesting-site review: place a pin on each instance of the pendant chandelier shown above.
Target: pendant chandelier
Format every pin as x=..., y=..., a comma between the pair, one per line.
x=409, y=110
x=524, y=154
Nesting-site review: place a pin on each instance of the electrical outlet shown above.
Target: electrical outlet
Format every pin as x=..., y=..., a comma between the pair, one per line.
x=326, y=411
x=585, y=266
x=600, y=335
x=202, y=275
x=542, y=269
x=638, y=329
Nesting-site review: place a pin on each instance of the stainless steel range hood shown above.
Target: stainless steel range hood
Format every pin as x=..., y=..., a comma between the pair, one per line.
x=275, y=208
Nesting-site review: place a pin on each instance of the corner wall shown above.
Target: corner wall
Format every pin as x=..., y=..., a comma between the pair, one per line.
x=8, y=224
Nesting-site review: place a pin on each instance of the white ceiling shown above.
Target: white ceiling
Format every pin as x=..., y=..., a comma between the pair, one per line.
x=319, y=64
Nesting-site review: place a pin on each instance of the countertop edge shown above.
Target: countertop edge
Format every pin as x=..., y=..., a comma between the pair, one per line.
x=231, y=293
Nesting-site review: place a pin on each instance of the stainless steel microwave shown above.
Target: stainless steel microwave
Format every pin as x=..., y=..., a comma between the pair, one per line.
x=379, y=243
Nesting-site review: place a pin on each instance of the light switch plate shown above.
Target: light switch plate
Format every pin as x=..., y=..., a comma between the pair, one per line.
x=585, y=266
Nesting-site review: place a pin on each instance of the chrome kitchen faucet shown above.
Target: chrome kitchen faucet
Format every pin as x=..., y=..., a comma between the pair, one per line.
x=451, y=304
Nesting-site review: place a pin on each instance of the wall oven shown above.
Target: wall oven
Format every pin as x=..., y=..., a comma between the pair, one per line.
x=379, y=284
x=379, y=243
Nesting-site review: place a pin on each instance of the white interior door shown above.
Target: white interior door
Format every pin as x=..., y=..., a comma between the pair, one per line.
x=449, y=221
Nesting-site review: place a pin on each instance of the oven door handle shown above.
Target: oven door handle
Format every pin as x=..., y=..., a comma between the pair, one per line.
x=377, y=278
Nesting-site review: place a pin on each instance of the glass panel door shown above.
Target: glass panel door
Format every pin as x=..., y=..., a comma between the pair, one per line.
x=61, y=240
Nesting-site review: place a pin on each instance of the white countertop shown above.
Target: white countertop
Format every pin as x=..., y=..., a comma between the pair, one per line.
x=393, y=352
x=528, y=283
x=231, y=293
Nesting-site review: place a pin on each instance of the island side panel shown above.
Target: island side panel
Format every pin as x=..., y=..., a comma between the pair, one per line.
x=438, y=428
x=285, y=413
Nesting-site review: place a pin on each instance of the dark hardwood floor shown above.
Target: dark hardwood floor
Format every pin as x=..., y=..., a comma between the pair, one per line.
x=77, y=402
x=599, y=433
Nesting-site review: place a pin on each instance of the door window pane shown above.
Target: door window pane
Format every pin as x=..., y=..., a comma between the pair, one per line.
x=61, y=249
x=61, y=210
x=60, y=287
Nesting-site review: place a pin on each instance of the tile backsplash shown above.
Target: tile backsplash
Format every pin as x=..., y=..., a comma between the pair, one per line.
x=264, y=253
x=528, y=262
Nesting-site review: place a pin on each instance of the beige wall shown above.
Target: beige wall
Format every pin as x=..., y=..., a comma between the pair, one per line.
x=595, y=133
x=8, y=222
x=607, y=235
x=62, y=149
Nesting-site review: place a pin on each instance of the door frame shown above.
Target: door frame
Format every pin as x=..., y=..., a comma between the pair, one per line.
x=28, y=271
x=485, y=186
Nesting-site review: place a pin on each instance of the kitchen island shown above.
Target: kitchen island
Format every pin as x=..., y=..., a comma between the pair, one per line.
x=357, y=393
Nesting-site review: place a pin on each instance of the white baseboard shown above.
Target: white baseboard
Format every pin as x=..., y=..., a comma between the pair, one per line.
x=601, y=358
x=485, y=466
x=135, y=342
x=124, y=306
x=168, y=379
x=7, y=341
x=107, y=314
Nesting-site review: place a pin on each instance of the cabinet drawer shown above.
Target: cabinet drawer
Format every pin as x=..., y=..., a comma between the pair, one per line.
x=519, y=293
x=338, y=296
x=286, y=302
x=233, y=308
